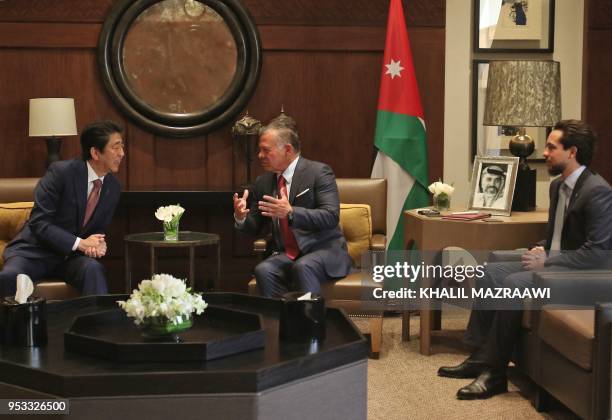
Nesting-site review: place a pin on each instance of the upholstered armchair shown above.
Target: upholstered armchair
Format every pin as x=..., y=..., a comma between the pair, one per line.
x=565, y=346
x=16, y=195
x=363, y=221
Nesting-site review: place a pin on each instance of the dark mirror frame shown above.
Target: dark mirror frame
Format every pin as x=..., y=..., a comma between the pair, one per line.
x=550, y=30
x=228, y=106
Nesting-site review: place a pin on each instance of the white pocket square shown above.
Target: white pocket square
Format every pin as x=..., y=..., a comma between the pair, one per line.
x=303, y=192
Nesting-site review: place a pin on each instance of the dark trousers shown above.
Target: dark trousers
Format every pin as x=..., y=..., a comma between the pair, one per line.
x=493, y=331
x=84, y=273
x=278, y=274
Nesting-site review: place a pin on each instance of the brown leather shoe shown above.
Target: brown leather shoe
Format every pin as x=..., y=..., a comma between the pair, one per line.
x=490, y=382
x=469, y=368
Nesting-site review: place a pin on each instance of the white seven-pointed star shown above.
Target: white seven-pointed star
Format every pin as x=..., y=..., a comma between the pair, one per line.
x=394, y=68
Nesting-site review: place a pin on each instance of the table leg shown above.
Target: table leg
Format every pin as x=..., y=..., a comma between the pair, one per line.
x=128, y=272
x=217, y=281
x=192, y=266
x=425, y=331
x=152, y=261
x=406, y=325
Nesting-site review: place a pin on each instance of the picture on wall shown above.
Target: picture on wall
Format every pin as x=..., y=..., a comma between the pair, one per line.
x=493, y=180
x=507, y=25
x=495, y=140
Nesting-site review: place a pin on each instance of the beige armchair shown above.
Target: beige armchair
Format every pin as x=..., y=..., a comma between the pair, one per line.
x=363, y=219
x=16, y=195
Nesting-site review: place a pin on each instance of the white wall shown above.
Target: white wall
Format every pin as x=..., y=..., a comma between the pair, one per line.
x=569, y=19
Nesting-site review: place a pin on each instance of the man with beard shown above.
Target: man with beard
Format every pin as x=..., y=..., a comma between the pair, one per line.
x=298, y=200
x=580, y=221
x=492, y=183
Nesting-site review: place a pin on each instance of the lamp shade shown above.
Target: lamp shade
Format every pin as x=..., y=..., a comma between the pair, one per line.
x=51, y=117
x=523, y=93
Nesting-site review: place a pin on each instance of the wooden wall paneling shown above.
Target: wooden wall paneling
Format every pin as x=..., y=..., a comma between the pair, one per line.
x=58, y=11
x=599, y=92
x=597, y=106
x=220, y=168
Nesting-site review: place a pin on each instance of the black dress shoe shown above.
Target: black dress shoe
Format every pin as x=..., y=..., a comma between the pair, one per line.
x=470, y=368
x=490, y=382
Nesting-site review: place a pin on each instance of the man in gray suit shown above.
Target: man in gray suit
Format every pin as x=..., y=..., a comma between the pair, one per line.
x=299, y=199
x=579, y=220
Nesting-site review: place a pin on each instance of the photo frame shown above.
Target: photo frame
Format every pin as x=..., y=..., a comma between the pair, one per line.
x=514, y=25
x=491, y=140
x=493, y=182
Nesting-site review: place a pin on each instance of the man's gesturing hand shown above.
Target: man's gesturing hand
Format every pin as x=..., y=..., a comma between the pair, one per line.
x=275, y=207
x=240, y=205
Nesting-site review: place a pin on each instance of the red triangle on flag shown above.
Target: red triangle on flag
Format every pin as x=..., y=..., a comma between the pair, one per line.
x=398, y=87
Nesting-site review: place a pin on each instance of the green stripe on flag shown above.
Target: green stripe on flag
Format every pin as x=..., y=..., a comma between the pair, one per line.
x=402, y=138
x=418, y=197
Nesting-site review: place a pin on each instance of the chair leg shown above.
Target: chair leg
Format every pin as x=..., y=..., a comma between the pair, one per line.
x=541, y=402
x=406, y=326
x=376, y=336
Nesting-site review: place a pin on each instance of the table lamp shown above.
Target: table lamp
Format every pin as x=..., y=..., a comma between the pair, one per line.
x=52, y=118
x=525, y=93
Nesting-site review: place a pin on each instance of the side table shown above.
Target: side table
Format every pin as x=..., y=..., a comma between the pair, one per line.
x=186, y=239
x=519, y=230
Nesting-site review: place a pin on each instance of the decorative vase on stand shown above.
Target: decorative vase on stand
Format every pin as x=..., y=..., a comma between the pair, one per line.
x=171, y=231
x=441, y=202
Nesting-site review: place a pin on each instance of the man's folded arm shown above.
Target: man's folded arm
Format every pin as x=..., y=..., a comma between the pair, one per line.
x=47, y=195
x=597, y=248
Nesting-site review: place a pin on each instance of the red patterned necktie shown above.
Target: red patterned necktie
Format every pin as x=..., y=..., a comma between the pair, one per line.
x=291, y=246
x=92, y=200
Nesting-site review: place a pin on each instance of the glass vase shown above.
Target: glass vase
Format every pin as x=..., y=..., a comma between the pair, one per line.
x=160, y=328
x=171, y=231
x=441, y=202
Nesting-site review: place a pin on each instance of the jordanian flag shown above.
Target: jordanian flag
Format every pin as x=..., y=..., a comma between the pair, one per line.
x=400, y=130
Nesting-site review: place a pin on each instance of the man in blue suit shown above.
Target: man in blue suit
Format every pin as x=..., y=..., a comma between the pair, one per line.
x=299, y=199
x=73, y=205
x=579, y=220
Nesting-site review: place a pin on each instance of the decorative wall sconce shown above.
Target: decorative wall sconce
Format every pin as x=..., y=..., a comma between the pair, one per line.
x=246, y=132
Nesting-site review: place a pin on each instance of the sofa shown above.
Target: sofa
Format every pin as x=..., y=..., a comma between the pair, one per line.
x=16, y=202
x=565, y=343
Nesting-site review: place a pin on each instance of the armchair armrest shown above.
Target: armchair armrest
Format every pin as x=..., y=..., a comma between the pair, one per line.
x=603, y=375
x=508, y=255
x=577, y=287
x=379, y=242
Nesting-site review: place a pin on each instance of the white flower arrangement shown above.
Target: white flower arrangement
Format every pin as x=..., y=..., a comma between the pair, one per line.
x=169, y=214
x=163, y=296
x=439, y=187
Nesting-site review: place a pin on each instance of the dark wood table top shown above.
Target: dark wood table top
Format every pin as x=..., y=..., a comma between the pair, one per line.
x=51, y=370
x=185, y=238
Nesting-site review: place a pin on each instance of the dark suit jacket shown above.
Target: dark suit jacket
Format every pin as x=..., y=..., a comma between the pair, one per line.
x=587, y=226
x=60, y=200
x=315, y=214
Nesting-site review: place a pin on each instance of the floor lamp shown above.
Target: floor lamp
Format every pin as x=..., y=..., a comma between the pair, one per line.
x=521, y=94
x=52, y=118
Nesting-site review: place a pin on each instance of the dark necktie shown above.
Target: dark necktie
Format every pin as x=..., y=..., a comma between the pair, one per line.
x=555, y=243
x=291, y=246
x=92, y=200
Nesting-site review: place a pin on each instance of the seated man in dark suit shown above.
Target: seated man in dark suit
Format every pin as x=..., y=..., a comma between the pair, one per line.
x=299, y=199
x=73, y=205
x=580, y=221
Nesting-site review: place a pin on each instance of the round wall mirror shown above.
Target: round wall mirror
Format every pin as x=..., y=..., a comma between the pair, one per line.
x=180, y=68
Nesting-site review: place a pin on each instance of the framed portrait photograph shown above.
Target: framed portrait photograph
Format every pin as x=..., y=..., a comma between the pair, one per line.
x=493, y=180
x=511, y=25
x=495, y=140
